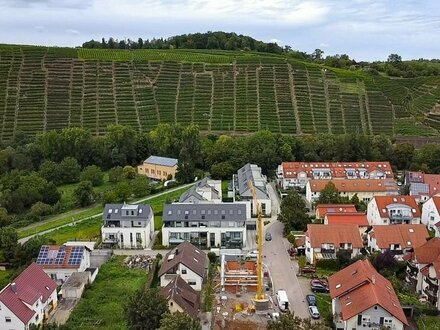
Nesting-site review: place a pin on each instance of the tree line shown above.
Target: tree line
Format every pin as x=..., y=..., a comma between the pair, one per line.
x=209, y=40
x=32, y=169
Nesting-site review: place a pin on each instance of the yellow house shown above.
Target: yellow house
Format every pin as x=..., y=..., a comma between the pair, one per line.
x=158, y=168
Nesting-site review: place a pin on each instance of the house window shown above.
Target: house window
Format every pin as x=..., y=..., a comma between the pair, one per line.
x=171, y=303
x=388, y=321
x=183, y=271
x=8, y=319
x=158, y=172
x=192, y=282
x=152, y=171
x=146, y=170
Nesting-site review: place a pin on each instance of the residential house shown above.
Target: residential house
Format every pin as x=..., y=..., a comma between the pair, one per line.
x=364, y=299
x=323, y=209
x=187, y=262
x=397, y=238
x=324, y=241
x=297, y=174
x=421, y=185
x=423, y=270
x=365, y=189
x=431, y=212
x=181, y=297
x=206, y=225
x=60, y=262
x=127, y=225
x=29, y=299
x=158, y=168
x=251, y=172
x=356, y=218
x=391, y=210
x=204, y=191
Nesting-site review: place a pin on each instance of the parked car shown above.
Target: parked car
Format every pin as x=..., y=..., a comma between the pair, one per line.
x=314, y=312
x=319, y=281
x=268, y=237
x=319, y=286
x=307, y=270
x=311, y=300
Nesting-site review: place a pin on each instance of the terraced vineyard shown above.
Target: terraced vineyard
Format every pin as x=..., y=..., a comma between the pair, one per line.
x=238, y=92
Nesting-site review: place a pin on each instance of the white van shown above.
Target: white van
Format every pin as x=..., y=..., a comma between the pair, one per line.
x=283, y=301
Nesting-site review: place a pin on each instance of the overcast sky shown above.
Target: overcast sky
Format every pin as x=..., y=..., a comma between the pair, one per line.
x=364, y=29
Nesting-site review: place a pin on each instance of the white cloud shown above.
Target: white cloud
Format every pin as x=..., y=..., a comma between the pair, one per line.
x=72, y=31
x=323, y=45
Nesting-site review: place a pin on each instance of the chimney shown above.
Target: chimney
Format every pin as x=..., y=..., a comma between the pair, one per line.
x=177, y=252
x=373, y=279
x=14, y=287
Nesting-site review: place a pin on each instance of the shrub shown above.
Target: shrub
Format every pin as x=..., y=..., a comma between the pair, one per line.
x=328, y=264
x=93, y=174
x=41, y=209
x=212, y=257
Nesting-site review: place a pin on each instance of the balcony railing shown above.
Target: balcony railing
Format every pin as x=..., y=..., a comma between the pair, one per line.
x=110, y=240
x=432, y=284
x=328, y=251
x=432, y=295
x=400, y=218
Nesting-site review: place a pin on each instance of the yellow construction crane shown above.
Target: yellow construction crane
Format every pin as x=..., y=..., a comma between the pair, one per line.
x=259, y=296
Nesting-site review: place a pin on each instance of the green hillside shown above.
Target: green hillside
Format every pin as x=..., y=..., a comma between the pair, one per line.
x=52, y=88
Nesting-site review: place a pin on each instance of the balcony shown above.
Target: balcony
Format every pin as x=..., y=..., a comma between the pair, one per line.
x=432, y=284
x=431, y=294
x=411, y=270
x=112, y=224
x=110, y=240
x=400, y=218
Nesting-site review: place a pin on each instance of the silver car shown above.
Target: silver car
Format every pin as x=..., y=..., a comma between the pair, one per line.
x=314, y=312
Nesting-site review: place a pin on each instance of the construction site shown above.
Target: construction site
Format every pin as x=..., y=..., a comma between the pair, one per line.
x=237, y=303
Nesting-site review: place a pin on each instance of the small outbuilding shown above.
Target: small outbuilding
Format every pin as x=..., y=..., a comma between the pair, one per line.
x=74, y=287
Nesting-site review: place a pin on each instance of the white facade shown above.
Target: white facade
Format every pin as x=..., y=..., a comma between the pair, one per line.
x=372, y=244
x=126, y=226
x=430, y=213
x=312, y=253
x=193, y=279
x=372, y=318
x=406, y=212
x=8, y=320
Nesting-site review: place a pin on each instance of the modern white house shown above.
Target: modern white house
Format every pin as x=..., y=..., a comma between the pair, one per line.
x=186, y=261
x=324, y=241
x=431, y=212
x=365, y=189
x=60, y=262
x=204, y=191
x=29, y=299
x=397, y=238
x=242, y=191
x=391, y=210
x=297, y=174
x=206, y=225
x=364, y=299
x=127, y=225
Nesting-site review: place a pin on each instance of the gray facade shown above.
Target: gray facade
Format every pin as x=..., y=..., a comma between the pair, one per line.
x=126, y=215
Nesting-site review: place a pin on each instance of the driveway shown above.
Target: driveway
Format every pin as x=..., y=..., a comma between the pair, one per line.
x=283, y=271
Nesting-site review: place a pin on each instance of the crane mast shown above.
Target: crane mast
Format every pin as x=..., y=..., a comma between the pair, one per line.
x=259, y=296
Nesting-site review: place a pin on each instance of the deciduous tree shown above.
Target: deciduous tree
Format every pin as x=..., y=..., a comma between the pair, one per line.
x=179, y=321
x=84, y=194
x=293, y=212
x=93, y=174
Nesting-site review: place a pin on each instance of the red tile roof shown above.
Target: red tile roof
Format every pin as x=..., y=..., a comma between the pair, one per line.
x=357, y=218
x=323, y=209
x=31, y=284
x=357, y=185
x=408, y=236
x=291, y=169
x=436, y=200
x=359, y=287
x=384, y=201
x=334, y=234
x=433, y=180
x=427, y=253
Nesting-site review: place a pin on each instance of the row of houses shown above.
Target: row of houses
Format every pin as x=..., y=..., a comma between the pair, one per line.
x=200, y=216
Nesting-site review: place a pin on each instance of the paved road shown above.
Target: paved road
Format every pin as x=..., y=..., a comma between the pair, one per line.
x=25, y=239
x=283, y=270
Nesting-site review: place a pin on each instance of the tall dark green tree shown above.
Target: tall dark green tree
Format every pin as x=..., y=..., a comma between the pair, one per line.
x=329, y=195
x=145, y=310
x=83, y=194
x=293, y=212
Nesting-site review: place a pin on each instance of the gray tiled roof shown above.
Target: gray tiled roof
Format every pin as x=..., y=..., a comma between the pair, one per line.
x=204, y=212
x=142, y=211
x=245, y=174
x=193, y=192
x=165, y=161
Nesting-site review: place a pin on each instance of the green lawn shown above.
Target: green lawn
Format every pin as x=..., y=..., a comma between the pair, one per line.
x=325, y=306
x=4, y=278
x=102, y=305
x=428, y=322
